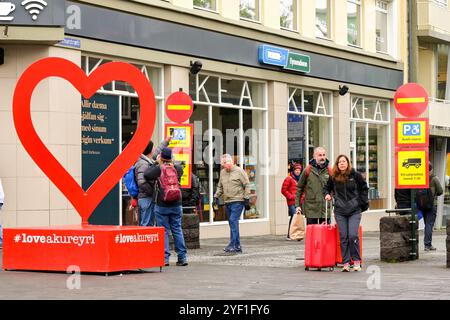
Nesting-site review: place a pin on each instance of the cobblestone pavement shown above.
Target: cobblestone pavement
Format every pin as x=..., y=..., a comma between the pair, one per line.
x=270, y=268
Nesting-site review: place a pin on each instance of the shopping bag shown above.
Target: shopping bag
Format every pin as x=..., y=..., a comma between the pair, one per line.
x=297, y=228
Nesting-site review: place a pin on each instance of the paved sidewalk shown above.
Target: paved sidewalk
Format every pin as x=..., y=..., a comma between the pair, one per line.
x=270, y=268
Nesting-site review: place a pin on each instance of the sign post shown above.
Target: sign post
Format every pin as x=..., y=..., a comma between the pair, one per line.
x=179, y=108
x=411, y=148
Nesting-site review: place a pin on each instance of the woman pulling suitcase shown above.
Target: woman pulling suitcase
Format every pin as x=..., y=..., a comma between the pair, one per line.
x=350, y=192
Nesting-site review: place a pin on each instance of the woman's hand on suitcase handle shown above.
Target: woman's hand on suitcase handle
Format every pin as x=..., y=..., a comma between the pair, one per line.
x=328, y=197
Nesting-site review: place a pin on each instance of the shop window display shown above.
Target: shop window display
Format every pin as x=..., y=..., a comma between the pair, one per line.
x=370, y=149
x=237, y=110
x=309, y=123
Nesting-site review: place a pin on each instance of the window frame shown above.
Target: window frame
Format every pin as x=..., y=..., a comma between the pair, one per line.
x=295, y=17
x=359, y=4
x=257, y=8
x=329, y=21
x=384, y=11
x=208, y=10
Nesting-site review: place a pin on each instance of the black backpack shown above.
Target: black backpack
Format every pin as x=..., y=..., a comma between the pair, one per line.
x=424, y=199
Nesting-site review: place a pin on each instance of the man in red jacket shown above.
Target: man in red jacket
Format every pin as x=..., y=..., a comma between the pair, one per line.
x=289, y=190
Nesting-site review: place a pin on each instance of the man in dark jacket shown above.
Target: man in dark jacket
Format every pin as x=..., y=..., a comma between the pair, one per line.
x=145, y=197
x=402, y=198
x=191, y=196
x=168, y=214
x=429, y=217
x=311, y=183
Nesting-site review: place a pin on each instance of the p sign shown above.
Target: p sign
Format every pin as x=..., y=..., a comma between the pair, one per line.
x=411, y=132
x=411, y=100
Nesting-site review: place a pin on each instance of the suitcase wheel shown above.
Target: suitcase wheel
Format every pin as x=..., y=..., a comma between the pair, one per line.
x=320, y=269
x=332, y=269
x=306, y=269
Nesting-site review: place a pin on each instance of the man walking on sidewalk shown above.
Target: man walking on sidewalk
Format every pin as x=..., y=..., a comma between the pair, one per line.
x=235, y=188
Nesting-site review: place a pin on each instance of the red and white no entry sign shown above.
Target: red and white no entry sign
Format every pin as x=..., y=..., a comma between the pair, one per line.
x=411, y=100
x=179, y=107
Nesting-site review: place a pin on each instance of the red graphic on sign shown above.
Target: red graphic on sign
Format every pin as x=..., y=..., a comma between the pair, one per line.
x=179, y=107
x=84, y=202
x=411, y=100
x=89, y=248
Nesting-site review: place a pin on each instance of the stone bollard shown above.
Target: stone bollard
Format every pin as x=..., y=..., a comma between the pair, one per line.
x=191, y=231
x=395, y=234
x=448, y=243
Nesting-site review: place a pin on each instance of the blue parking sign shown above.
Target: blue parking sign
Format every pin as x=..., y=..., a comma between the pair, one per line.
x=411, y=129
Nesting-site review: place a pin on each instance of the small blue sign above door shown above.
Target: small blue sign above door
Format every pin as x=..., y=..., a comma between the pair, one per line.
x=272, y=55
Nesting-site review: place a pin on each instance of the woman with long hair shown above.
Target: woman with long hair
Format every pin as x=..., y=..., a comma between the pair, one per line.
x=350, y=192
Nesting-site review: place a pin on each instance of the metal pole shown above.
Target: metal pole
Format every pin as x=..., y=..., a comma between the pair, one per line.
x=414, y=238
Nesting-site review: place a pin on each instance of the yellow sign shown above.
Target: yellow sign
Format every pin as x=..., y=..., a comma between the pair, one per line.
x=182, y=135
x=411, y=132
x=412, y=168
x=185, y=161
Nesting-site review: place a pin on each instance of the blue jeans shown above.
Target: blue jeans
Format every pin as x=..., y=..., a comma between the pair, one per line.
x=147, y=212
x=429, y=217
x=234, y=211
x=170, y=219
x=349, y=236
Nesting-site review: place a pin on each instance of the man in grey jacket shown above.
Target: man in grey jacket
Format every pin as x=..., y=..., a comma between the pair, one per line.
x=146, y=188
x=235, y=188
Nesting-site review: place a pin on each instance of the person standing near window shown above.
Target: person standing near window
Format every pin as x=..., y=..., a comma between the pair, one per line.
x=289, y=189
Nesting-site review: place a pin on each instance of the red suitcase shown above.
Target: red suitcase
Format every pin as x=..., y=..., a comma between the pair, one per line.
x=338, y=246
x=320, y=246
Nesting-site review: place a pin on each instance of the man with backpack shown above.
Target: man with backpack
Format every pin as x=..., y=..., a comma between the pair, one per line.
x=139, y=188
x=426, y=200
x=311, y=183
x=168, y=209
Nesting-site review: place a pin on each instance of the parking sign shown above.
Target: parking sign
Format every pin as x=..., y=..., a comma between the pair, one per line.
x=412, y=132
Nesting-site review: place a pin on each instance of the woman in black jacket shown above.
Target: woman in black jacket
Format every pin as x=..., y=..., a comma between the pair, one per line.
x=350, y=192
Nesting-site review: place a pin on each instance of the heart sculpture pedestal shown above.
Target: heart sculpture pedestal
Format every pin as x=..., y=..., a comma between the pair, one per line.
x=87, y=248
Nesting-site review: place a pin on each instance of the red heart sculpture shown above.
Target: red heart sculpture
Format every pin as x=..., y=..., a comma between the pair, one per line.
x=84, y=202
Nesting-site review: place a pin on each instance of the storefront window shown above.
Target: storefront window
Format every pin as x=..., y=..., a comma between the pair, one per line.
x=249, y=9
x=443, y=92
x=354, y=22
x=382, y=26
x=229, y=117
x=370, y=150
x=323, y=18
x=288, y=14
x=309, y=124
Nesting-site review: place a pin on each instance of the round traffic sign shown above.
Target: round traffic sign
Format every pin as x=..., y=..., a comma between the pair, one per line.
x=179, y=107
x=411, y=100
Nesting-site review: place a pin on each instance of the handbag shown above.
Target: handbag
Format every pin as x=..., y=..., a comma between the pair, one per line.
x=297, y=228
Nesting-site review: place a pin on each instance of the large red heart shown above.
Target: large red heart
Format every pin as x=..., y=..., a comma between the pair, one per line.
x=84, y=202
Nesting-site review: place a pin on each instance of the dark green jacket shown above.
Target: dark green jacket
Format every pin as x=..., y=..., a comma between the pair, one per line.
x=436, y=188
x=312, y=186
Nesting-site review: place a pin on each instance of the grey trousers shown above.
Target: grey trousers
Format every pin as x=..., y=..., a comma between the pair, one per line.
x=348, y=234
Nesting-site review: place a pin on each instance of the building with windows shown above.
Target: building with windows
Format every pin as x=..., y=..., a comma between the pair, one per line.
x=430, y=30
x=271, y=89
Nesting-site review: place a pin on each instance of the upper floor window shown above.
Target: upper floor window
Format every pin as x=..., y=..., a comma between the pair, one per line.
x=288, y=14
x=382, y=26
x=441, y=2
x=323, y=19
x=354, y=22
x=249, y=9
x=206, y=4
